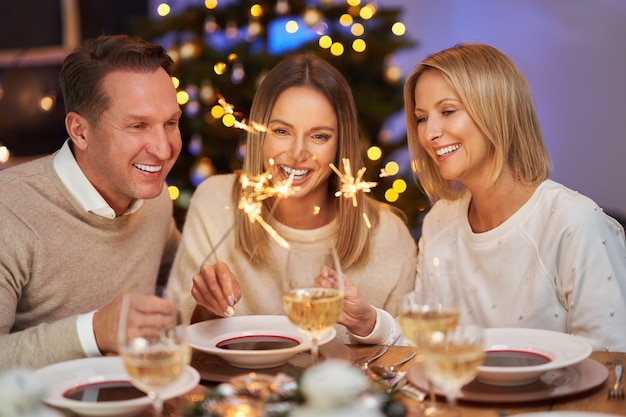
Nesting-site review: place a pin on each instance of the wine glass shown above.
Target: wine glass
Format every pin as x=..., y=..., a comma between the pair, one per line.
x=432, y=307
x=313, y=292
x=152, y=357
x=451, y=360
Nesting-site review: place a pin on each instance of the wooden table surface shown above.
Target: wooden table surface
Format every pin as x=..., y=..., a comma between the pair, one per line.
x=594, y=400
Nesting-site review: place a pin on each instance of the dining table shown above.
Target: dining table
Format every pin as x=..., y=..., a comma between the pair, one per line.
x=594, y=400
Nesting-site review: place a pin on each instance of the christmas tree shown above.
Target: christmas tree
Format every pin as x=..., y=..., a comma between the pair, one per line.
x=223, y=51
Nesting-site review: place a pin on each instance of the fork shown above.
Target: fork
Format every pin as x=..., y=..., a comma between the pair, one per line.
x=365, y=366
x=616, y=391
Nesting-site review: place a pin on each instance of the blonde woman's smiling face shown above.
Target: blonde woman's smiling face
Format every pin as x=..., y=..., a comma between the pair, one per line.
x=302, y=140
x=448, y=133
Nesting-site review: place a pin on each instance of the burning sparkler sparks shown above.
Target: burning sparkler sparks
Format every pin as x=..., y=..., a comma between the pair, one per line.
x=258, y=189
x=240, y=124
x=351, y=185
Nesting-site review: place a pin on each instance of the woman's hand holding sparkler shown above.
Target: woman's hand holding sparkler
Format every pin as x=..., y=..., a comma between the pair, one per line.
x=217, y=289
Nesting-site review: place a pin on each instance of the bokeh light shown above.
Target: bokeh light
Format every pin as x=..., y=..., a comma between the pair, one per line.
x=163, y=9
x=391, y=195
x=174, y=192
x=374, y=153
x=182, y=97
x=47, y=103
x=345, y=20
x=337, y=49
x=392, y=168
x=217, y=111
x=398, y=29
x=220, y=68
x=325, y=42
x=4, y=154
x=256, y=10
x=357, y=29
x=228, y=120
x=291, y=26
x=399, y=185
x=367, y=12
x=359, y=45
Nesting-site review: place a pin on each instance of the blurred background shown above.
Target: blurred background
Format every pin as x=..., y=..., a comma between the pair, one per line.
x=571, y=51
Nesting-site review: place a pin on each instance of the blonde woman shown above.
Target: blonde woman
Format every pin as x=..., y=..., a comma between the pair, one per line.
x=530, y=252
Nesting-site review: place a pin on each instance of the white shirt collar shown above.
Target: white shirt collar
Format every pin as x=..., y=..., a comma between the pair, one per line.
x=79, y=186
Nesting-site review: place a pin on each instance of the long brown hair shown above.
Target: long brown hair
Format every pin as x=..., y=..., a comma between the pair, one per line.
x=313, y=72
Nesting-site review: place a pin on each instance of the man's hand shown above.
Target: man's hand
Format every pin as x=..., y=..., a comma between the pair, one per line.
x=145, y=310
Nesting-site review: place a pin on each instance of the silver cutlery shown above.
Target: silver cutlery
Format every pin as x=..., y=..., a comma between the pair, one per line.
x=366, y=365
x=616, y=390
x=389, y=372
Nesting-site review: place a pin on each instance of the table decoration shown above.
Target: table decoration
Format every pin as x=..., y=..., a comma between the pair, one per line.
x=21, y=395
x=330, y=388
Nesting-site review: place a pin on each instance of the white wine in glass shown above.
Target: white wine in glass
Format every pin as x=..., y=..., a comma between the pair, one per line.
x=153, y=360
x=313, y=295
x=432, y=307
x=451, y=360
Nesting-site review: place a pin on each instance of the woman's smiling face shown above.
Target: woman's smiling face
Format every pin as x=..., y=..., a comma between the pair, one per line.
x=302, y=141
x=447, y=132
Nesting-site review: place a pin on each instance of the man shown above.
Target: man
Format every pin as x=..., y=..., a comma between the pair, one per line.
x=93, y=221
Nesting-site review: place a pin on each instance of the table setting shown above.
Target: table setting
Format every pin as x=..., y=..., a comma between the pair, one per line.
x=292, y=366
x=586, y=393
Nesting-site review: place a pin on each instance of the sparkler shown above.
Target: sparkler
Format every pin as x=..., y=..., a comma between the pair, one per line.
x=255, y=190
x=351, y=185
x=260, y=189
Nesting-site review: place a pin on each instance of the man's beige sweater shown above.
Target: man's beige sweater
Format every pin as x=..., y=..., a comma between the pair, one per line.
x=58, y=261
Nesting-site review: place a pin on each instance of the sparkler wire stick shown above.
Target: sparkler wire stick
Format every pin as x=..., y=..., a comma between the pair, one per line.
x=217, y=245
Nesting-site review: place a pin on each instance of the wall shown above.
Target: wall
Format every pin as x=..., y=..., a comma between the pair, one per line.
x=573, y=53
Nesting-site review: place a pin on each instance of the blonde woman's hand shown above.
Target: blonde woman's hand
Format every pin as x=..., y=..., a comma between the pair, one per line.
x=358, y=315
x=217, y=289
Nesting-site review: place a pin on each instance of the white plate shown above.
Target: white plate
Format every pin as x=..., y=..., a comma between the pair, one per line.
x=557, y=383
x=560, y=348
x=208, y=335
x=63, y=376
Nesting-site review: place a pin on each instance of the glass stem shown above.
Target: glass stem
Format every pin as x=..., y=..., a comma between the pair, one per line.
x=431, y=395
x=157, y=403
x=314, y=350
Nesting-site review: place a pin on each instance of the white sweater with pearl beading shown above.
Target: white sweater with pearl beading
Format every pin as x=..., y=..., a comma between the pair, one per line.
x=559, y=263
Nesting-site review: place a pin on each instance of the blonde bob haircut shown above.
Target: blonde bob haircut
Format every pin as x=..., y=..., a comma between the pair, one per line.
x=498, y=99
x=311, y=71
